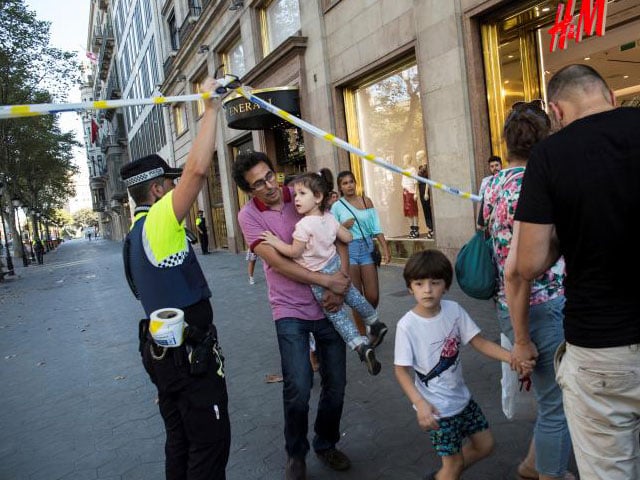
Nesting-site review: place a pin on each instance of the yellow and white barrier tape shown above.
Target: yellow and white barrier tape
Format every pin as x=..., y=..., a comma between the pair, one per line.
x=15, y=111
x=8, y=111
x=315, y=131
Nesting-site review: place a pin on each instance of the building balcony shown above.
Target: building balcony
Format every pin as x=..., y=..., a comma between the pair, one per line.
x=168, y=64
x=96, y=40
x=189, y=23
x=106, y=52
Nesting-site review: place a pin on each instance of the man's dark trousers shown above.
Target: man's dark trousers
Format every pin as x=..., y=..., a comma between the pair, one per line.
x=293, y=342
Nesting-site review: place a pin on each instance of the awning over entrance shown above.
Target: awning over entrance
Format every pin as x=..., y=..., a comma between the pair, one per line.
x=243, y=114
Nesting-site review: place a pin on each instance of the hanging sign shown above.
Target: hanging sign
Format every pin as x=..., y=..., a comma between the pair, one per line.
x=590, y=20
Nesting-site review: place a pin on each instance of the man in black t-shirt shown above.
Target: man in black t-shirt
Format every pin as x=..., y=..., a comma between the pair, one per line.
x=580, y=199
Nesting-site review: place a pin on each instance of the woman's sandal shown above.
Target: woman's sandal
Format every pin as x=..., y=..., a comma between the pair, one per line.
x=527, y=473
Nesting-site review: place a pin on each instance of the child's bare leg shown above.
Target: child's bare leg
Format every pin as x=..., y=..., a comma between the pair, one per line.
x=452, y=467
x=480, y=446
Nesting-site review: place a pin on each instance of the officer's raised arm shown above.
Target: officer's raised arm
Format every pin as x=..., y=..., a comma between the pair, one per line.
x=196, y=168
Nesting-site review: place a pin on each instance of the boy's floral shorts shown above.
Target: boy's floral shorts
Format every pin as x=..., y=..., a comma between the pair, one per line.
x=448, y=439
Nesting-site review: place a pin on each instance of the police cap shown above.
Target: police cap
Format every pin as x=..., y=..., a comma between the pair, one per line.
x=147, y=168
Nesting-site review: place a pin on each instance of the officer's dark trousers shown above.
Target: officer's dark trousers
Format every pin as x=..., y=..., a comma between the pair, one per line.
x=195, y=414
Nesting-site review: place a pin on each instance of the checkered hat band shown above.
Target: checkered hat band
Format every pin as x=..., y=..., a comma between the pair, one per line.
x=143, y=177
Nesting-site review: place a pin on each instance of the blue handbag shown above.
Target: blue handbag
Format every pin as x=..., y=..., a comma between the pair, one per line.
x=475, y=270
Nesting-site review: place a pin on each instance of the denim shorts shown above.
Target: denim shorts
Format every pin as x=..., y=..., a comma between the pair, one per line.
x=447, y=440
x=360, y=252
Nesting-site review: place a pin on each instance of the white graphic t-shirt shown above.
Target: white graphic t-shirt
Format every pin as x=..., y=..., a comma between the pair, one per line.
x=431, y=346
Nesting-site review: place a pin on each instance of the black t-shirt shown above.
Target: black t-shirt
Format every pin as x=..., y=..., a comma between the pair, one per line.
x=585, y=179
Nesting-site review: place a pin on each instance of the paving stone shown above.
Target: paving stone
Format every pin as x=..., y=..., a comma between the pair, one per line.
x=88, y=411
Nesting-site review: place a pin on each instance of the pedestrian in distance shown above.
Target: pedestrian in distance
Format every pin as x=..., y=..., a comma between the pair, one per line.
x=495, y=165
x=201, y=226
x=548, y=457
x=38, y=247
x=313, y=247
x=163, y=271
x=297, y=314
x=428, y=368
x=580, y=194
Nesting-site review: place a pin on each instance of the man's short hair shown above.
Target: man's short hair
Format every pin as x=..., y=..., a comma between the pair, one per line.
x=494, y=158
x=575, y=77
x=244, y=162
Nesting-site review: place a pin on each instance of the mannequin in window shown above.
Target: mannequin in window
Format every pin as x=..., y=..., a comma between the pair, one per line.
x=410, y=197
x=425, y=191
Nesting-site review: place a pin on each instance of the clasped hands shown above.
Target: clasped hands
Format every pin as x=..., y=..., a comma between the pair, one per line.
x=523, y=357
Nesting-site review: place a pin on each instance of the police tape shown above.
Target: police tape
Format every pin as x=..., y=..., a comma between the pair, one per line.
x=317, y=132
x=16, y=111
x=228, y=82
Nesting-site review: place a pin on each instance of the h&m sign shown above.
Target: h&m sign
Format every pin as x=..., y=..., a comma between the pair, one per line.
x=590, y=20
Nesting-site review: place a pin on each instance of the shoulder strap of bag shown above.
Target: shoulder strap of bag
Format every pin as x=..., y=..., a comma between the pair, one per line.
x=364, y=235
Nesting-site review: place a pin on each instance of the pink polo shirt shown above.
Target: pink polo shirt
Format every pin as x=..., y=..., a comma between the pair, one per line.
x=287, y=297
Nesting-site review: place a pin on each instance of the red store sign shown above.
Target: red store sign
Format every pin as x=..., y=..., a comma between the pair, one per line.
x=590, y=20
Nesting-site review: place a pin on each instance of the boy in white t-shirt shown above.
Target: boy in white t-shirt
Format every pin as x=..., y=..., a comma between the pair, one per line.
x=314, y=248
x=428, y=339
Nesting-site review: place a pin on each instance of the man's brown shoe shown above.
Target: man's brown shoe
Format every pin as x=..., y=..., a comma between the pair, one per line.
x=334, y=458
x=296, y=469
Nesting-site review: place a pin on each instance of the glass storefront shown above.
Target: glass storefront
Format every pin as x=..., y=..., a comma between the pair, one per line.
x=384, y=118
x=519, y=61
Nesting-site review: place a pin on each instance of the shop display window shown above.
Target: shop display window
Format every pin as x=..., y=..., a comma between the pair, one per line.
x=519, y=61
x=385, y=119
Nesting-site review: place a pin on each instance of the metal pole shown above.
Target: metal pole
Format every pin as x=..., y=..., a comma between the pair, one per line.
x=10, y=270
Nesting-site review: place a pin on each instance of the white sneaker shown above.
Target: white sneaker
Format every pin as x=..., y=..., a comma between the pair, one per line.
x=252, y=281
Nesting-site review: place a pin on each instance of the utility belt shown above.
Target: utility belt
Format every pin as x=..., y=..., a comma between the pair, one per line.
x=202, y=348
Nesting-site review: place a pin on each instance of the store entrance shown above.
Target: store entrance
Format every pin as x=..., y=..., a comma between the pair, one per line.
x=518, y=61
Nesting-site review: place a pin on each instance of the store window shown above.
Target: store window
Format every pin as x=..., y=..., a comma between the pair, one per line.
x=290, y=151
x=280, y=20
x=197, y=88
x=180, y=119
x=384, y=117
x=233, y=59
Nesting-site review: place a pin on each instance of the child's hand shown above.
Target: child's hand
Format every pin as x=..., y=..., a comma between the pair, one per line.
x=428, y=416
x=269, y=238
x=526, y=367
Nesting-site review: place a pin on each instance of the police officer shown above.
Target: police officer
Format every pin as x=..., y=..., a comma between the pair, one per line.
x=201, y=225
x=163, y=272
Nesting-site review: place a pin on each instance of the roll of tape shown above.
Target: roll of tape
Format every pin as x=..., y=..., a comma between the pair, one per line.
x=166, y=326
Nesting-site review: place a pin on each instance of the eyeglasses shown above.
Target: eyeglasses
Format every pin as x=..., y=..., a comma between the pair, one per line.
x=258, y=185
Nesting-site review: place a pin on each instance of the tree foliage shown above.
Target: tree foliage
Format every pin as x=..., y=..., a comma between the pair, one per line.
x=35, y=155
x=85, y=217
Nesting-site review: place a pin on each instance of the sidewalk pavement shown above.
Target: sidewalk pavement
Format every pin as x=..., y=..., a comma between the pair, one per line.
x=77, y=404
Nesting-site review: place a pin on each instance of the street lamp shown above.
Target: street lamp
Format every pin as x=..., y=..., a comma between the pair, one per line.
x=10, y=270
x=15, y=201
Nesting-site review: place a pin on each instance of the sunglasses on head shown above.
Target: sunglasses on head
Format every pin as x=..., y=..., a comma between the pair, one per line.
x=538, y=104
